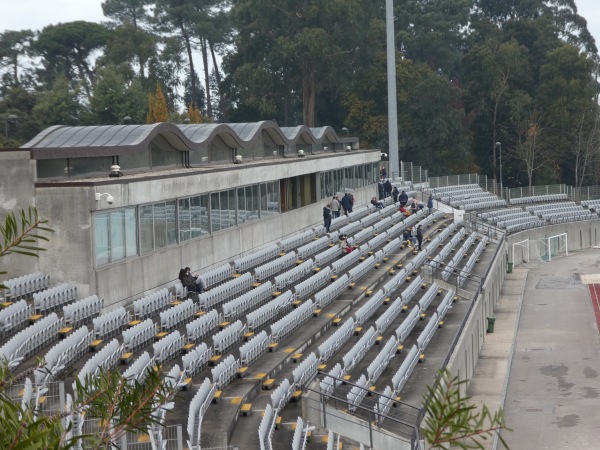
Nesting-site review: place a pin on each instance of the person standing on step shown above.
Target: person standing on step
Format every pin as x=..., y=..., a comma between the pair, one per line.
x=347, y=203
x=430, y=203
x=327, y=217
x=420, y=236
x=335, y=207
x=403, y=198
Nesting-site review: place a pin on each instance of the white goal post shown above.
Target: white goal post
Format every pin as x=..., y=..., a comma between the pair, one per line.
x=554, y=245
x=522, y=247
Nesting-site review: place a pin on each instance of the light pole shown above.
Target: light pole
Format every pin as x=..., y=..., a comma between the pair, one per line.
x=10, y=119
x=499, y=145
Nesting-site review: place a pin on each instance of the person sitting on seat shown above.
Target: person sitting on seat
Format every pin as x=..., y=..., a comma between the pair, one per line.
x=404, y=211
x=346, y=248
x=414, y=206
x=191, y=282
x=377, y=203
x=408, y=237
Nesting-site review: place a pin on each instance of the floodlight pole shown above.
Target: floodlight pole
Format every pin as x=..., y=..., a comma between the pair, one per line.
x=392, y=99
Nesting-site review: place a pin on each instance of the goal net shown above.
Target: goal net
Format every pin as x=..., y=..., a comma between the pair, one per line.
x=553, y=246
x=520, y=252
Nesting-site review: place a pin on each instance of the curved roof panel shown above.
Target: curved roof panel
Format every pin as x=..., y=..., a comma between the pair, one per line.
x=60, y=141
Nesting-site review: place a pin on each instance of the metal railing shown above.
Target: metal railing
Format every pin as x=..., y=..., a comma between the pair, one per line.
x=402, y=420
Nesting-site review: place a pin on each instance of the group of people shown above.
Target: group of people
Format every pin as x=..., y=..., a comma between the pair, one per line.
x=333, y=209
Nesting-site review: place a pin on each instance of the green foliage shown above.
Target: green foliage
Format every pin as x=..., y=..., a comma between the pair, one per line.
x=60, y=105
x=451, y=422
x=157, y=107
x=20, y=234
x=118, y=405
x=115, y=97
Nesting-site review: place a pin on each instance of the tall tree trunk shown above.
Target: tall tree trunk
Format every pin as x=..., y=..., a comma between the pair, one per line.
x=203, y=48
x=308, y=98
x=188, y=48
x=217, y=73
x=216, y=66
x=15, y=64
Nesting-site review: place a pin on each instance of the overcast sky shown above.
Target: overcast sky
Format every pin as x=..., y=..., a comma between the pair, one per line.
x=36, y=14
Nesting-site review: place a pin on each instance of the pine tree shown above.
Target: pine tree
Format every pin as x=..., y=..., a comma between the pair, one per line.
x=157, y=107
x=194, y=114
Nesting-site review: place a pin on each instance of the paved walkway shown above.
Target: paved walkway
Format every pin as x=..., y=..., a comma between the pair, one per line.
x=543, y=359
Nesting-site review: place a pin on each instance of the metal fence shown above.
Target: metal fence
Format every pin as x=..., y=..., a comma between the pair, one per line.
x=412, y=173
x=528, y=191
x=455, y=180
x=584, y=193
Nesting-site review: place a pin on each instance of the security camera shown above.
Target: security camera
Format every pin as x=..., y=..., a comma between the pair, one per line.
x=110, y=199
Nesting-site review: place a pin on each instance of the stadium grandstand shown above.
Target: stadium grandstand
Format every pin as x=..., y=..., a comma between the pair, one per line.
x=295, y=343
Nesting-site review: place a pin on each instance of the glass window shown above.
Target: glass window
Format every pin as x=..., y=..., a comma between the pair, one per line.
x=199, y=215
x=248, y=204
x=171, y=222
x=222, y=210
x=184, y=219
x=101, y=238
x=130, y=233
x=146, y=229
x=269, y=199
x=117, y=235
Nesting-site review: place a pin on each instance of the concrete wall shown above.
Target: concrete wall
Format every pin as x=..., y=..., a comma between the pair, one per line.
x=584, y=234
x=17, y=175
x=466, y=353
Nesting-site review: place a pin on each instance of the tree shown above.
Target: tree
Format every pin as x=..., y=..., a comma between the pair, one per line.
x=451, y=422
x=116, y=97
x=288, y=48
x=587, y=148
x=194, y=114
x=179, y=16
x=130, y=16
x=157, y=107
x=68, y=48
x=59, y=105
x=531, y=143
x=13, y=46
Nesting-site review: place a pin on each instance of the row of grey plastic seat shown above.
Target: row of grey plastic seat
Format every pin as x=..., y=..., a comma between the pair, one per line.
x=539, y=198
x=25, y=285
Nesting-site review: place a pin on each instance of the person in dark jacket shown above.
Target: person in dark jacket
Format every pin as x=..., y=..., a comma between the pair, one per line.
x=403, y=198
x=191, y=282
x=381, y=190
x=347, y=203
x=430, y=203
x=383, y=173
x=395, y=194
x=388, y=188
x=419, y=236
x=327, y=216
